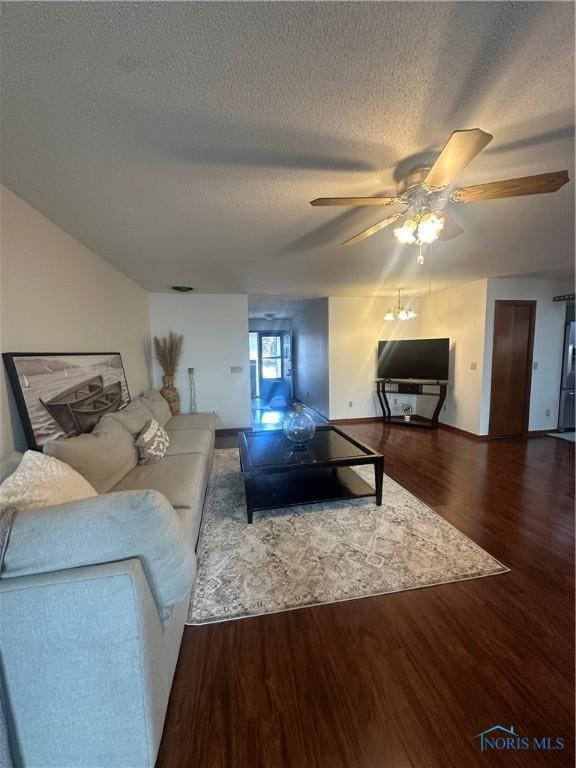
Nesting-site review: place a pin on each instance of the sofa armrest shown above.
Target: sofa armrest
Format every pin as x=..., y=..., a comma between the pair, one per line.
x=86, y=669
x=105, y=529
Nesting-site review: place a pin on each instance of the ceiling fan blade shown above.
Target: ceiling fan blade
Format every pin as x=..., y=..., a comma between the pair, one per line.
x=460, y=149
x=527, y=185
x=354, y=201
x=374, y=228
x=451, y=229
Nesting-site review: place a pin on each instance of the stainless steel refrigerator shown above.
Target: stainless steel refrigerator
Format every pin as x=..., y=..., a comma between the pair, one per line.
x=567, y=415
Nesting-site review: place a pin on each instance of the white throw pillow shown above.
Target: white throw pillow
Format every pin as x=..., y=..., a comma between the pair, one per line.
x=41, y=481
x=152, y=443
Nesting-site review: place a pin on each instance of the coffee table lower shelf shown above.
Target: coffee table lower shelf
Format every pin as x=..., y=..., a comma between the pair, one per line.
x=303, y=486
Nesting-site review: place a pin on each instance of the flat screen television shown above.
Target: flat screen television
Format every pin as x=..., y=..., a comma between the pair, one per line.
x=414, y=359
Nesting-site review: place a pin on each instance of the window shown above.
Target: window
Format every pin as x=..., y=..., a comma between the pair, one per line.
x=271, y=357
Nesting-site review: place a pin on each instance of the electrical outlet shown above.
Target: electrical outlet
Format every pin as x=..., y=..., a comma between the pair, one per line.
x=548, y=412
x=535, y=367
x=474, y=366
x=349, y=403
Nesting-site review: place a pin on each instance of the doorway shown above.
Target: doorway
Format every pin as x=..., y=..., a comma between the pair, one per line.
x=511, y=367
x=271, y=367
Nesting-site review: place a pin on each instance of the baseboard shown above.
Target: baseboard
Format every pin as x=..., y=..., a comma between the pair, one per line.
x=464, y=432
x=483, y=438
x=365, y=420
x=449, y=427
x=371, y=419
x=540, y=432
x=232, y=431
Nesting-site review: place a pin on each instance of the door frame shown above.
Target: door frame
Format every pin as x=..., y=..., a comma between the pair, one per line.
x=529, y=361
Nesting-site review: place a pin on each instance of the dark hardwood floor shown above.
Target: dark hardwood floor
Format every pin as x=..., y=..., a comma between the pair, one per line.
x=407, y=679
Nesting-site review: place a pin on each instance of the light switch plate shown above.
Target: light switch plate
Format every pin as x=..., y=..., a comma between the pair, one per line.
x=474, y=366
x=236, y=369
x=535, y=365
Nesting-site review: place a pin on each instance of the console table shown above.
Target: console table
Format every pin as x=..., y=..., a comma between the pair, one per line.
x=385, y=387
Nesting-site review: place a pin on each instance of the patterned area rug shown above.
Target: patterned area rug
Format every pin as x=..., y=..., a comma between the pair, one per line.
x=322, y=553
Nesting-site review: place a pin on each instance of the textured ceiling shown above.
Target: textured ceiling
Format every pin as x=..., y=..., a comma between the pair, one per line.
x=183, y=141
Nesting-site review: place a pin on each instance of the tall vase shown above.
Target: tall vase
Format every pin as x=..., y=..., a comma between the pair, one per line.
x=192, y=382
x=170, y=394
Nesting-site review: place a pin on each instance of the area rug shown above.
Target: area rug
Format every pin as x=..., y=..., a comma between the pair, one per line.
x=322, y=553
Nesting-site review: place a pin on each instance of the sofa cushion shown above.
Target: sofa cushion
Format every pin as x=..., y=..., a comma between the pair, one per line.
x=134, y=417
x=160, y=409
x=103, y=457
x=182, y=479
x=192, y=421
x=190, y=441
x=104, y=529
x=42, y=481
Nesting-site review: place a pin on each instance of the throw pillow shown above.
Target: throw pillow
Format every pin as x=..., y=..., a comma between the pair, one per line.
x=133, y=417
x=41, y=481
x=158, y=406
x=103, y=457
x=152, y=443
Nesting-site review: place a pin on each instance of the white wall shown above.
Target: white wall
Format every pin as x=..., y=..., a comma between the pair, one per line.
x=310, y=354
x=460, y=315
x=465, y=314
x=355, y=327
x=215, y=329
x=548, y=345
x=58, y=296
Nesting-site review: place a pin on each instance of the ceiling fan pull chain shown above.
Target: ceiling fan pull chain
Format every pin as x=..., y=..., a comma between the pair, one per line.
x=420, y=259
x=430, y=269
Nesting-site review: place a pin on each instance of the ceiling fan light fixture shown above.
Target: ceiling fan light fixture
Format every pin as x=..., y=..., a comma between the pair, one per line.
x=422, y=229
x=430, y=226
x=406, y=233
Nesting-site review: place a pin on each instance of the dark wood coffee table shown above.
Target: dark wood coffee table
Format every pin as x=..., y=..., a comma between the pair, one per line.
x=278, y=475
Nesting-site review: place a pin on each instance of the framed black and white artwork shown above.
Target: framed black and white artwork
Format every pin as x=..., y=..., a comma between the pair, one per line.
x=65, y=394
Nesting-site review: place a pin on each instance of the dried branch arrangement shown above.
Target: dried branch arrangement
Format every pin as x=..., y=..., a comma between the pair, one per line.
x=168, y=351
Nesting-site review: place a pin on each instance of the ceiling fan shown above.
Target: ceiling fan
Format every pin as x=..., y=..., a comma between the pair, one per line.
x=426, y=192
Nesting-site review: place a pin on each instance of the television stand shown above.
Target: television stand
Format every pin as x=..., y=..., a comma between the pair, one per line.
x=384, y=387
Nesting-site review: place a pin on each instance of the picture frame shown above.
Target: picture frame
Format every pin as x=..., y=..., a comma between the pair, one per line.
x=64, y=394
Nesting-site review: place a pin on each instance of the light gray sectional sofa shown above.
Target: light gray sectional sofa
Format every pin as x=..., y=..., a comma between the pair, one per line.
x=94, y=596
